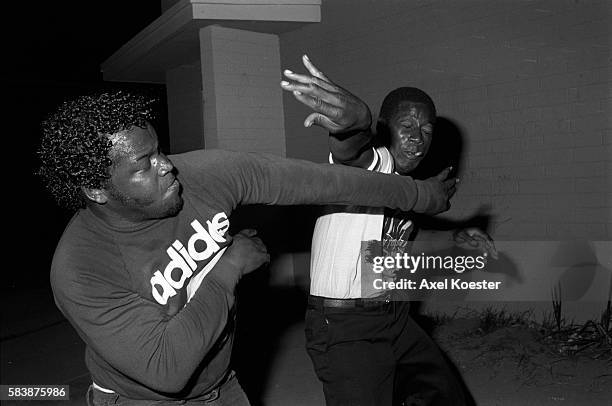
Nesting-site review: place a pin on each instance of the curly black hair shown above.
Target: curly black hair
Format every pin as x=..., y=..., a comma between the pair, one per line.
x=74, y=149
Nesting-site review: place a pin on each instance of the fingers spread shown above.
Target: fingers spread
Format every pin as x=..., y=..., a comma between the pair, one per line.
x=314, y=71
x=307, y=80
x=318, y=105
x=486, y=239
x=304, y=79
x=321, y=121
x=314, y=91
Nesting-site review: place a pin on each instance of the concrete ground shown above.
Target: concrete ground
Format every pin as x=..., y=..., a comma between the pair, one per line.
x=40, y=347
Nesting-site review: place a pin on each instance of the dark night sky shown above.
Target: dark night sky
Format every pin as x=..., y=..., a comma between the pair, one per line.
x=65, y=41
x=54, y=52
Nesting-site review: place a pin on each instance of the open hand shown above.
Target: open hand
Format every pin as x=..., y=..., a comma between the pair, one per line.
x=475, y=239
x=335, y=108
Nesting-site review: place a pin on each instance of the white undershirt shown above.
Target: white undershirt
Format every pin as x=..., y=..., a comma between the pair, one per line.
x=335, y=264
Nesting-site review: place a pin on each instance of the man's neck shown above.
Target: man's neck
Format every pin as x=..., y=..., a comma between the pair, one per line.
x=125, y=220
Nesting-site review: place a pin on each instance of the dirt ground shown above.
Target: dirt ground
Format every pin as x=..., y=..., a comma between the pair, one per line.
x=517, y=365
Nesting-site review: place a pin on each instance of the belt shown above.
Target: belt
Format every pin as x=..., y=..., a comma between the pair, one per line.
x=320, y=301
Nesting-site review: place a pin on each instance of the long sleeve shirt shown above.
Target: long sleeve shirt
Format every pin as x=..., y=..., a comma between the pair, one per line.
x=154, y=319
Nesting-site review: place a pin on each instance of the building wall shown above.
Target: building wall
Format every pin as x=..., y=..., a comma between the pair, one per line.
x=243, y=105
x=524, y=85
x=528, y=84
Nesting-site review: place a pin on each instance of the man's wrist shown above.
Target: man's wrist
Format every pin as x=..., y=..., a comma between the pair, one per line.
x=364, y=132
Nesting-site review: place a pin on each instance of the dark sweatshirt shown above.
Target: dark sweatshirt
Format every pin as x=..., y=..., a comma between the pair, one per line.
x=125, y=290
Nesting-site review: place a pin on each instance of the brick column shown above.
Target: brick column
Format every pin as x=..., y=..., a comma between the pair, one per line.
x=243, y=111
x=242, y=99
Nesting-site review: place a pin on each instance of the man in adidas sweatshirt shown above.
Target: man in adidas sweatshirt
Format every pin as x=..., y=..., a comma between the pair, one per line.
x=146, y=270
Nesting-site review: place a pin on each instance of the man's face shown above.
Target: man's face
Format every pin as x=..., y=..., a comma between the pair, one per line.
x=142, y=184
x=410, y=129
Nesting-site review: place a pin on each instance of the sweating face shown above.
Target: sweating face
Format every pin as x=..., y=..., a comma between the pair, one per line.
x=142, y=183
x=410, y=130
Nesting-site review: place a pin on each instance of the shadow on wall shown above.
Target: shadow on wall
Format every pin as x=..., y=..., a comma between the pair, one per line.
x=581, y=265
x=445, y=150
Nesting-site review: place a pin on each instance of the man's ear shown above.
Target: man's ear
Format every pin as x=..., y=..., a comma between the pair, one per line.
x=95, y=195
x=382, y=126
x=383, y=135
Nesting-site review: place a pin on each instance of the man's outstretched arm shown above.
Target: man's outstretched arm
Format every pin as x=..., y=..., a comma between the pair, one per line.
x=250, y=178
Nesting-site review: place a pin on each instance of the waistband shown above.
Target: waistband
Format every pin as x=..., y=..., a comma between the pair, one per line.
x=103, y=394
x=358, y=303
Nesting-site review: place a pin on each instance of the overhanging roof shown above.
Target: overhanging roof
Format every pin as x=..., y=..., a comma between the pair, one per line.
x=173, y=38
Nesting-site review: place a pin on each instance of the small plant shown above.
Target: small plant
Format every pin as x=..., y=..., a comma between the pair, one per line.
x=606, y=317
x=440, y=318
x=557, y=307
x=572, y=339
x=592, y=338
x=492, y=319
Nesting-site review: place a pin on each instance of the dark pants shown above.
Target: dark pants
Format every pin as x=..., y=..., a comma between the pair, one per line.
x=378, y=356
x=229, y=393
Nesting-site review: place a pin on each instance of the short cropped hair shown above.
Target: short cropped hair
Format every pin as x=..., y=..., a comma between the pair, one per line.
x=392, y=101
x=75, y=145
